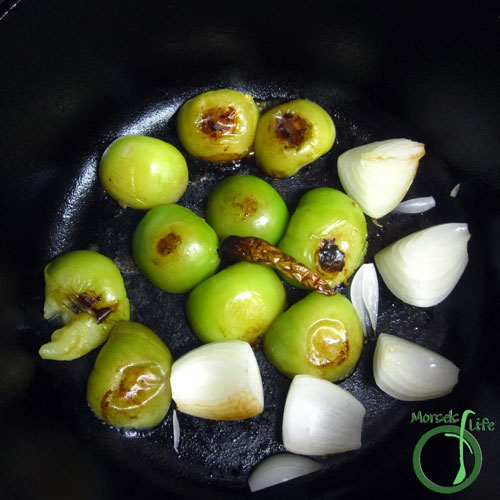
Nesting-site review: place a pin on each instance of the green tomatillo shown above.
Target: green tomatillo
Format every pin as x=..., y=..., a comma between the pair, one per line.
x=130, y=383
x=237, y=303
x=175, y=248
x=86, y=291
x=219, y=125
x=319, y=335
x=143, y=172
x=292, y=135
x=327, y=233
x=245, y=205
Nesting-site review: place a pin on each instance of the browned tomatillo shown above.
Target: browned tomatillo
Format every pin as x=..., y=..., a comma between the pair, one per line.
x=328, y=233
x=86, y=291
x=130, y=383
x=259, y=251
x=319, y=336
x=175, y=248
x=292, y=135
x=245, y=205
x=218, y=126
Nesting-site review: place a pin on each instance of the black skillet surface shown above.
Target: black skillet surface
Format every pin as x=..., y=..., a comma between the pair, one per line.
x=224, y=453
x=71, y=450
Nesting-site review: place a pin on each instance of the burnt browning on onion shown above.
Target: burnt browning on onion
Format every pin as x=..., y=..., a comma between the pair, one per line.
x=85, y=302
x=292, y=129
x=259, y=251
x=219, y=121
x=330, y=257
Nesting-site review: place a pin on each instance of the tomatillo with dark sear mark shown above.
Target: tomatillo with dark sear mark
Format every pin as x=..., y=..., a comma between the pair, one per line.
x=130, y=383
x=175, y=248
x=219, y=125
x=85, y=289
x=328, y=234
x=245, y=205
x=319, y=335
x=292, y=135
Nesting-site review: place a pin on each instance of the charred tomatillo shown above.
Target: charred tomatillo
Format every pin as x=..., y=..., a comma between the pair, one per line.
x=175, y=248
x=319, y=335
x=86, y=291
x=327, y=233
x=143, y=172
x=219, y=125
x=237, y=303
x=245, y=205
x=130, y=383
x=292, y=135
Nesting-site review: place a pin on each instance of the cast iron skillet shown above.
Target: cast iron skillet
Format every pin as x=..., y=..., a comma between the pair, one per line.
x=52, y=442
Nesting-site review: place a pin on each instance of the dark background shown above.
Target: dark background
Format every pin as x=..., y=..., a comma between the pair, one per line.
x=67, y=66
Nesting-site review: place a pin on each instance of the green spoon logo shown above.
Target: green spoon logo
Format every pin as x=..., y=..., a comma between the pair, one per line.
x=466, y=442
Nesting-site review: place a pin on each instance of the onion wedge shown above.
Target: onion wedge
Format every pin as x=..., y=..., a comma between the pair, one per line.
x=218, y=381
x=378, y=175
x=423, y=268
x=279, y=468
x=410, y=372
x=321, y=418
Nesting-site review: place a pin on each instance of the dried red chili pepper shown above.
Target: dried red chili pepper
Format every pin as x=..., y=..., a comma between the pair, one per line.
x=259, y=251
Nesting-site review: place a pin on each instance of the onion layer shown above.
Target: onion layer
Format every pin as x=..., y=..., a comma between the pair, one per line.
x=176, y=430
x=364, y=296
x=321, y=418
x=455, y=190
x=279, y=468
x=219, y=381
x=410, y=372
x=378, y=175
x=416, y=205
x=422, y=268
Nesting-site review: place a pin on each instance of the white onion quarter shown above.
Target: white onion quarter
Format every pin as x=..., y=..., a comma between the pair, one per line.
x=410, y=372
x=219, y=381
x=378, y=175
x=423, y=268
x=280, y=468
x=321, y=418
